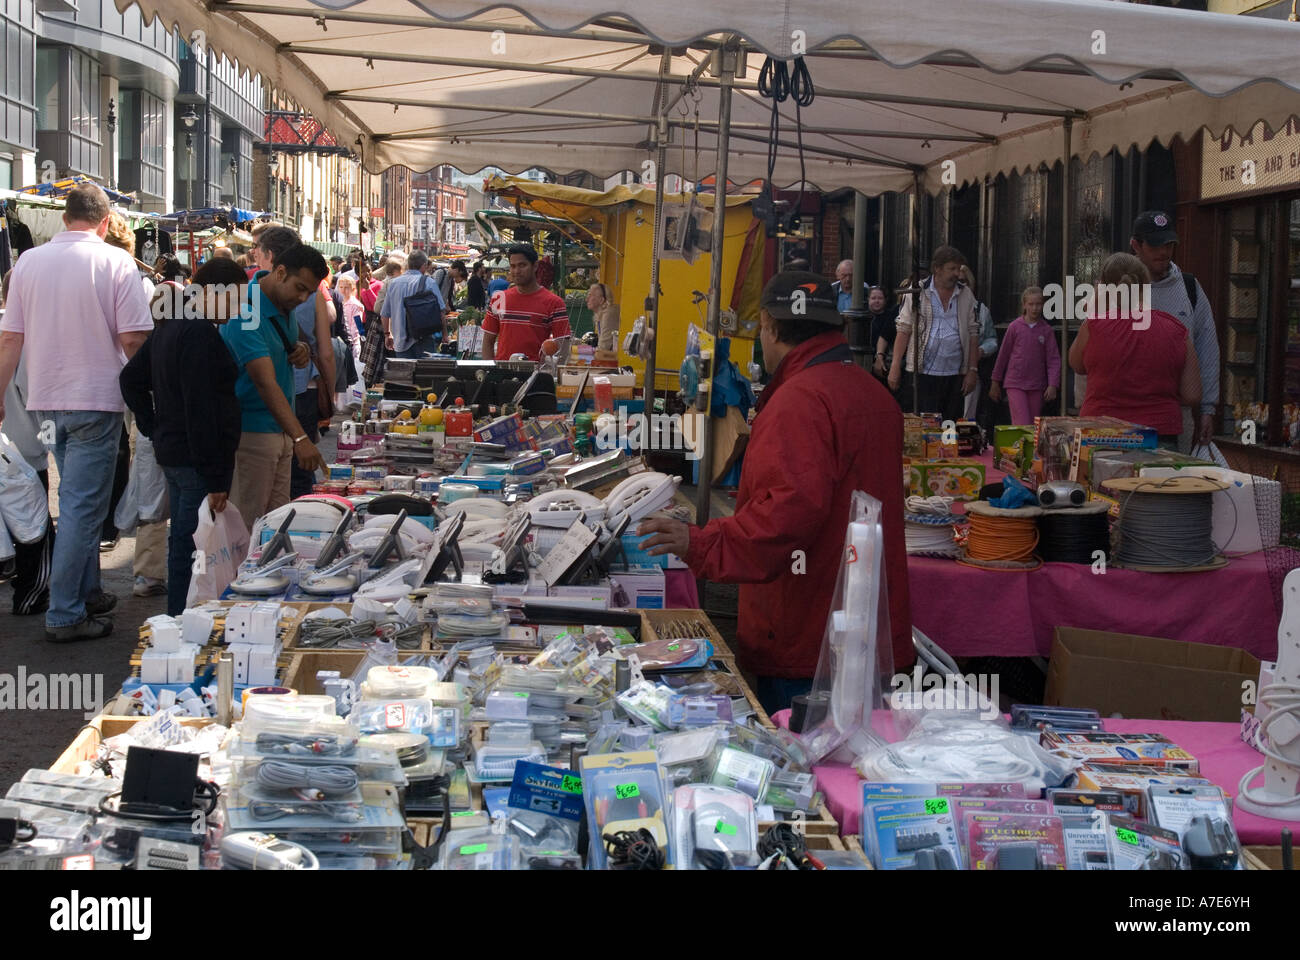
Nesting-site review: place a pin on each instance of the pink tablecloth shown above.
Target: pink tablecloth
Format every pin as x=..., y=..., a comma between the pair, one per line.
x=1224, y=760
x=973, y=612
x=680, y=592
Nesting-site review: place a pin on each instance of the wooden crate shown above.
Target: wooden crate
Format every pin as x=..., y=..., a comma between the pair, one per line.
x=1262, y=858
x=651, y=620
x=818, y=823
x=85, y=744
x=853, y=842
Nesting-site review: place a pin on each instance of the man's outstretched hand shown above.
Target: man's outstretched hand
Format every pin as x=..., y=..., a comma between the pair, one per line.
x=670, y=536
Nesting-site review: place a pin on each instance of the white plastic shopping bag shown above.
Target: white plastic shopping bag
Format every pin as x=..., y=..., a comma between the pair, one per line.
x=220, y=544
x=145, y=498
x=24, y=504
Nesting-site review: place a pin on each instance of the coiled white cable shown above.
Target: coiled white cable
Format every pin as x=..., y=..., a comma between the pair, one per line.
x=1283, y=700
x=937, y=506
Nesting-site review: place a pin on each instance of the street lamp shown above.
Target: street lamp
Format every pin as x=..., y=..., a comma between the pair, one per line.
x=274, y=185
x=297, y=197
x=234, y=180
x=189, y=118
x=112, y=144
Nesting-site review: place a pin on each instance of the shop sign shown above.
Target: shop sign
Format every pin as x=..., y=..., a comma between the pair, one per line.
x=1258, y=162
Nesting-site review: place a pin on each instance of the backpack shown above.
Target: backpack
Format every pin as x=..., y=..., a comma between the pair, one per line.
x=446, y=283
x=423, y=311
x=1189, y=281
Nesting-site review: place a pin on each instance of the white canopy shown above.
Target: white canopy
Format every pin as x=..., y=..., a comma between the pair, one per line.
x=901, y=88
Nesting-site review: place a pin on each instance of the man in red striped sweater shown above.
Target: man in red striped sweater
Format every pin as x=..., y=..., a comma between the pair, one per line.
x=526, y=317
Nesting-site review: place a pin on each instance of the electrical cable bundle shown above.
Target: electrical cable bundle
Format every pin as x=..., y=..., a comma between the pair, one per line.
x=782, y=839
x=1073, y=536
x=279, y=775
x=777, y=83
x=1002, y=539
x=320, y=633
x=634, y=851
x=928, y=527
x=1166, y=523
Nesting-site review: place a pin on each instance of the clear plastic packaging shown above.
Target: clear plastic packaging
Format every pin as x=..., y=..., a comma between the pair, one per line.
x=540, y=834
x=742, y=771
x=463, y=625
x=624, y=793
x=510, y=732
x=954, y=748
x=694, y=711
x=440, y=724
x=478, y=850
x=648, y=703
x=323, y=737
x=857, y=653
x=399, y=681
x=497, y=761
x=714, y=823
x=279, y=712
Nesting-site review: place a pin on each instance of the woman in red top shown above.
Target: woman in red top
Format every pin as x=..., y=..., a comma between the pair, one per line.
x=1140, y=371
x=367, y=290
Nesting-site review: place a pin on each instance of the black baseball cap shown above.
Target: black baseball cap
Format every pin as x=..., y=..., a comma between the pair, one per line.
x=1155, y=227
x=801, y=295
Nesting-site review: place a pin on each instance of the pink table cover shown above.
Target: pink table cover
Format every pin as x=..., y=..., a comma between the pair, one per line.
x=973, y=612
x=680, y=592
x=1223, y=757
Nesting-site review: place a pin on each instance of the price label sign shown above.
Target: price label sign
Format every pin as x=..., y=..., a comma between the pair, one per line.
x=473, y=850
x=625, y=790
x=726, y=829
x=936, y=805
x=571, y=784
x=1127, y=836
x=394, y=715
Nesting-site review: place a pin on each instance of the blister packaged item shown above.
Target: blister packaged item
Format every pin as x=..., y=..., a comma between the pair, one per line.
x=284, y=712
x=1202, y=818
x=59, y=833
x=1015, y=841
x=623, y=792
x=504, y=705
x=1134, y=845
x=264, y=805
x=689, y=711
x=963, y=807
x=670, y=654
x=496, y=762
x=62, y=791
x=1077, y=802
x=688, y=747
x=542, y=835
x=788, y=791
x=1153, y=750
x=635, y=738
x=783, y=748
x=948, y=749
x=440, y=724
x=1086, y=847
x=742, y=771
x=548, y=790
x=898, y=831
x=463, y=625
x=478, y=850
x=1132, y=786
x=400, y=682
x=377, y=808
x=647, y=702
x=714, y=824
x=510, y=732
x=1033, y=718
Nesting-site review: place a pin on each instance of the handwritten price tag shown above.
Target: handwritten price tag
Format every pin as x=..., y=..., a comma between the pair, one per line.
x=395, y=715
x=937, y=805
x=625, y=790
x=571, y=784
x=1127, y=836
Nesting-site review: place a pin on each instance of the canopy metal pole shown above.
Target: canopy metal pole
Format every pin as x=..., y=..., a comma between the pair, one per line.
x=652, y=298
x=857, y=315
x=916, y=294
x=1067, y=129
x=727, y=75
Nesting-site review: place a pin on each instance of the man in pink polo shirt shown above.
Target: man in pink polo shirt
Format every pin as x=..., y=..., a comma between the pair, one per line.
x=76, y=312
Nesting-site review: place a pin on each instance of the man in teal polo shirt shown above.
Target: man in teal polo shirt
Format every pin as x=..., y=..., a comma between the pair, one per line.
x=264, y=343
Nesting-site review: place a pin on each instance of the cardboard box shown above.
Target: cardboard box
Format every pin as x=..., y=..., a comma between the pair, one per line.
x=644, y=587
x=1109, y=464
x=1147, y=677
x=954, y=477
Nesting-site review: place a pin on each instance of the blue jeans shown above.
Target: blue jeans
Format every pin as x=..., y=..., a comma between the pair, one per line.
x=187, y=493
x=776, y=693
x=85, y=450
x=418, y=349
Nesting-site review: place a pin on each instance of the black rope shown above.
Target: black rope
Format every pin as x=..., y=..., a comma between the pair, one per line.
x=777, y=83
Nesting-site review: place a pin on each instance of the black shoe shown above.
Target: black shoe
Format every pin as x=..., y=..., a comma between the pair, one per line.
x=89, y=629
x=106, y=546
x=100, y=603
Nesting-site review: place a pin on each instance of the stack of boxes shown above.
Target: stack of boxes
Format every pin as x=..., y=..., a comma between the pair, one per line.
x=933, y=464
x=253, y=641
x=169, y=657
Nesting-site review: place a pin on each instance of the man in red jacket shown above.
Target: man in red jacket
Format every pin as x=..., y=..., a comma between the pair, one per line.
x=825, y=428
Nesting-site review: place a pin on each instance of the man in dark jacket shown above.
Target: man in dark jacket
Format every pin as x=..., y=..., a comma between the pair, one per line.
x=825, y=428
x=181, y=387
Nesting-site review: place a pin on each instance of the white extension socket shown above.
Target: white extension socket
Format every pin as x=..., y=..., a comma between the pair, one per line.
x=196, y=626
x=164, y=633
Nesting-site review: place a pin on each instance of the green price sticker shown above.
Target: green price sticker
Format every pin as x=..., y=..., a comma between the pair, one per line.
x=464, y=813
x=673, y=646
x=521, y=694
x=936, y=805
x=473, y=849
x=625, y=790
x=571, y=784
x=1127, y=836
x=726, y=829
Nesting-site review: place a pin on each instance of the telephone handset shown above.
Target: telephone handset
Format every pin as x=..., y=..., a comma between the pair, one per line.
x=641, y=495
x=559, y=508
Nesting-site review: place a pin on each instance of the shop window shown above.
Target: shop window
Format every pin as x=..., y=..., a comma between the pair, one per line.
x=1090, y=216
x=1021, y=221
x=47, y=88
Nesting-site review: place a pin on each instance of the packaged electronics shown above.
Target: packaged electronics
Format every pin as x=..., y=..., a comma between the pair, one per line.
x=1146, y=749
x=899, y=830
x=623, y=793
x=714, y=826
x=1002, y=841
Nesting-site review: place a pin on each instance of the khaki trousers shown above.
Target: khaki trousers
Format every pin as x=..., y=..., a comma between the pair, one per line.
x=261, y=474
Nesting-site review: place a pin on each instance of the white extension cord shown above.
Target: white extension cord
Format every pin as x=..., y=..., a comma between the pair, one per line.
x=265, y=851
x=1283, y=702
